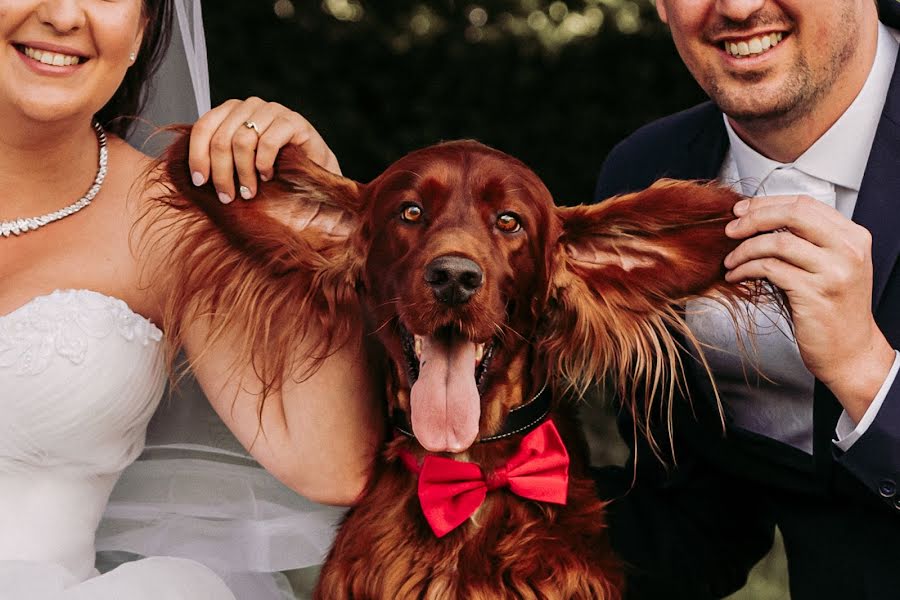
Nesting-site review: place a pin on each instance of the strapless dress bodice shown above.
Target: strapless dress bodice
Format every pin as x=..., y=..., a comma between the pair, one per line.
x=80, y=376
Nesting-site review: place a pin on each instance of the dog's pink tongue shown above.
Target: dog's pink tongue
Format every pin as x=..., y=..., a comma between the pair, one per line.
x=445, y=404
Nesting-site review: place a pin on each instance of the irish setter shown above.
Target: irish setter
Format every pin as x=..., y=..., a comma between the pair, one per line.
x=492, y=306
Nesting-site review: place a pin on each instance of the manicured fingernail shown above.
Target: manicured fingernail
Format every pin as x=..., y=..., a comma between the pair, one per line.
x=727, y=261
x=198, y=178
x=264, y=177
x=224, y=198
x=741, y=207
x=732, y=225
x=245, y=192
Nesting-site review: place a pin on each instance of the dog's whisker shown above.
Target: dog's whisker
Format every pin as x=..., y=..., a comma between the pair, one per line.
x=390, y=301
x=506, y=178
x=508, y=327
x=502, y=334
x=410, y=172
x=382, y=326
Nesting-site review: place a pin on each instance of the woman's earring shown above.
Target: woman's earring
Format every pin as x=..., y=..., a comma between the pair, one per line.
x=133, y=56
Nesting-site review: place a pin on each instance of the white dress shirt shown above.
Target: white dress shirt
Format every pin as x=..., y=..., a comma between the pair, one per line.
x=766, y=389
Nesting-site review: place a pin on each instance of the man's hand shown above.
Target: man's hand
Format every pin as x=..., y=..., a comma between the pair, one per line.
x=823, y=262
x=245, y=136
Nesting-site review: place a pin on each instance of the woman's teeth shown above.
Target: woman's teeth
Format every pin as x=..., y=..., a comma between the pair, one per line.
x=51, y=58
x=756, y=45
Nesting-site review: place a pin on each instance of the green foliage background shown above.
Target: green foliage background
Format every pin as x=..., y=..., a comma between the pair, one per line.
x=375, y=89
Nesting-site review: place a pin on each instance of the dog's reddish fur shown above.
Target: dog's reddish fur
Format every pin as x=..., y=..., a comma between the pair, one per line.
x=580, y=293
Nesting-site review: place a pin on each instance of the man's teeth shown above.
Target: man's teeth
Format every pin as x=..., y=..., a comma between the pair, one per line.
x=51, y=58
x=756, y=45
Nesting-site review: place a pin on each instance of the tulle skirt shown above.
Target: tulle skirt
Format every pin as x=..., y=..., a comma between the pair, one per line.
x=196, y=494
x=148, y=579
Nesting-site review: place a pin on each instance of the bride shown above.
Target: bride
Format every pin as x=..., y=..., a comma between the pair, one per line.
x=81, y=361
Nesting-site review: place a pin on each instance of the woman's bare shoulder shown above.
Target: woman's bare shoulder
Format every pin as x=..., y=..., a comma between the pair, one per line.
x=145, y=215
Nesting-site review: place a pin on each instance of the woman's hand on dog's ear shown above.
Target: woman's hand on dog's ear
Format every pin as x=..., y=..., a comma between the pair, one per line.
x=244, y=137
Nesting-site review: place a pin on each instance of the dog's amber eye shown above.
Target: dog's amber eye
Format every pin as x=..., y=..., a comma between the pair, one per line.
x=411, y=213
x=508, y=223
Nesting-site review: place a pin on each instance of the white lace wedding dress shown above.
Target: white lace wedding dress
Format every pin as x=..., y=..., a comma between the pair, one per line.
x=80, y=377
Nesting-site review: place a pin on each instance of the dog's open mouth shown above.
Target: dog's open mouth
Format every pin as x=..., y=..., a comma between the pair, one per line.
x=447, y=371
x=413, y=346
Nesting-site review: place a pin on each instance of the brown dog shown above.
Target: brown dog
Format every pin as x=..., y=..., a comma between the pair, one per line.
x=490, y=304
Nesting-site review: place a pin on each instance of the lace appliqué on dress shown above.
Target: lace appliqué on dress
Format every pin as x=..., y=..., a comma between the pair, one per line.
x=63, y=323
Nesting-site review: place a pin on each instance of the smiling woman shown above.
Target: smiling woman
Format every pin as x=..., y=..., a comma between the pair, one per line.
x=84, y=66
x=82, y=363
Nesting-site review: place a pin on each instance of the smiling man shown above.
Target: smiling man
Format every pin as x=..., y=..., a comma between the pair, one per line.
x=805, y=101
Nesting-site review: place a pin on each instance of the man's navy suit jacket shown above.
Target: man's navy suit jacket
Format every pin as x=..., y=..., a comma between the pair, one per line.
x=694, y=531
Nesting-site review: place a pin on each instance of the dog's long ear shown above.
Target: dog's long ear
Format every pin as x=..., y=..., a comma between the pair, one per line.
x=622, y=271
x=277, y=271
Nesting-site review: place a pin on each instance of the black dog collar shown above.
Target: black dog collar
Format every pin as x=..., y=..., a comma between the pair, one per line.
x=521, y=419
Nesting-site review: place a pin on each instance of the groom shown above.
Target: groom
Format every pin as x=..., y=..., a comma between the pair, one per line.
x=805, y=101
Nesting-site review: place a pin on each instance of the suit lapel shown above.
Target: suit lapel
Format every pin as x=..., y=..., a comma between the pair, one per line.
x=705, y=152
x=878, y=204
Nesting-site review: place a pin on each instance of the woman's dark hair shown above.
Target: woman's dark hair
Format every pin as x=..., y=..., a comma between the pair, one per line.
x=129, y=98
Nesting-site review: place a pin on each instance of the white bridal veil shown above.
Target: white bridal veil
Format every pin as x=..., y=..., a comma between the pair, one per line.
x=179, y=93
x=194, y=492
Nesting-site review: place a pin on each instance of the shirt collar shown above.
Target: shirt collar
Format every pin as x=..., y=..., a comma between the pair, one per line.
x=841, y=154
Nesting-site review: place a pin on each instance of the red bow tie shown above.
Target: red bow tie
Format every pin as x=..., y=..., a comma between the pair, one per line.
x=450, y=491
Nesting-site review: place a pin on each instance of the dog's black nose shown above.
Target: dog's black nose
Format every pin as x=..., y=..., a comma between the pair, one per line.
x=453, y=279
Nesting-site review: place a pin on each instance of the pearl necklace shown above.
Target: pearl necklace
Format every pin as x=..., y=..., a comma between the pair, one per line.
x=20, y=226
